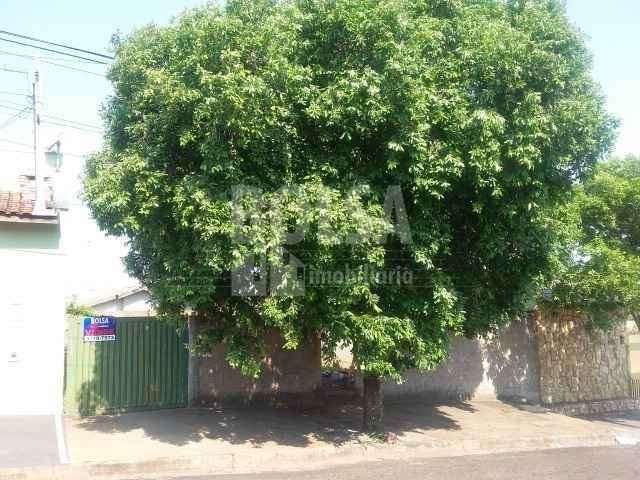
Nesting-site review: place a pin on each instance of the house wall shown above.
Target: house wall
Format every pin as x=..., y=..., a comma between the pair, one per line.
x=286, y=374
x=29, y=235
x=32, y=326
x=578, y=364
x=503, y=365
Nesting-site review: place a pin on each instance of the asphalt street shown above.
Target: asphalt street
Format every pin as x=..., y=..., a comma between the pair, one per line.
x=567, y=464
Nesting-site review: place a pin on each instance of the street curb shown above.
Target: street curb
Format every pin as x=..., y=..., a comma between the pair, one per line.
x=313, y=458
x=57, y=472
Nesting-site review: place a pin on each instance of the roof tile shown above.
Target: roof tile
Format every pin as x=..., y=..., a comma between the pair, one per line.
x=20, y=203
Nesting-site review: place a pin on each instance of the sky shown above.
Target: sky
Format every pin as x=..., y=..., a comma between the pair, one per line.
x=613, y=36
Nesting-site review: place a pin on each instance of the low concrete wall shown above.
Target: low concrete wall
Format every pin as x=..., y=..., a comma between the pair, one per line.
x=287, y=374
x=502, y=365
x=578, y=364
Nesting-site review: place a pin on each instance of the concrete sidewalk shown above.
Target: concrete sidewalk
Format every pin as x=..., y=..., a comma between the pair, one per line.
x=202, y=441
x=29, y=441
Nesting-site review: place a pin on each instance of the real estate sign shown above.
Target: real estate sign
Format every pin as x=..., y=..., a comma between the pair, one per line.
x=99, y=329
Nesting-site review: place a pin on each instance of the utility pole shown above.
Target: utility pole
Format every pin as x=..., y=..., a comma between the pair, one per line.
x=37, y=152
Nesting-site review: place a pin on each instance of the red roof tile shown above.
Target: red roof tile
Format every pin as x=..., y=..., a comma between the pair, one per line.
x=21, y=203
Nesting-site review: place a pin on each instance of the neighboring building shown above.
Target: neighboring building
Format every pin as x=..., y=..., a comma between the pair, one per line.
x=634, y=349
x=130, y=302
x=31, y=301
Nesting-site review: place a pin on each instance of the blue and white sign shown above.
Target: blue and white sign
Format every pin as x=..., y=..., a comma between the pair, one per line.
x=99, y=329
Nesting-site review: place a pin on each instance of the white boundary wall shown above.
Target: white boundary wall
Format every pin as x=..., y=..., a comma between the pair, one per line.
x=31, y=332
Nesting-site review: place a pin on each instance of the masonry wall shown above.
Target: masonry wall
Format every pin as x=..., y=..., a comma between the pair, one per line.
x=578, y=364
x=553, y=359
x=503, y=365
x=287, y=374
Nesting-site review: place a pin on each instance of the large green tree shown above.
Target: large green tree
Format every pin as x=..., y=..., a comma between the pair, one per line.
x=599, y=263
x=422, y=137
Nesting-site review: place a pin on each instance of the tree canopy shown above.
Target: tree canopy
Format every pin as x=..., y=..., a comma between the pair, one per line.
x=420, y=136
x=599, y=266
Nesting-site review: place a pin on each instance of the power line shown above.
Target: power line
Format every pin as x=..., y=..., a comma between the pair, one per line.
x=17, y=94
x=82, y=156
x=13, y=103
x=75, y=69
x=50, y=57
x=54, y=118
x=11, y=70
x=6, y=140
x=14, y=118
x=10, y=107
x=31, y=57
x=97, y=54
x=49, y=62
x=59, y=121
x=58, y=124
x=26, y=152
x=66, y=154
x=82, y=124
x=53, y=51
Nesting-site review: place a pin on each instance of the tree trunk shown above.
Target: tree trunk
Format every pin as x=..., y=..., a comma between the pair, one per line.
x=373, y=404
x=636, y=318
x=193, y=375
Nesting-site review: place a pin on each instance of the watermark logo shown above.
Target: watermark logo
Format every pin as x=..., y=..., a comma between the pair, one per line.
x=262, y=224
x=394, y=276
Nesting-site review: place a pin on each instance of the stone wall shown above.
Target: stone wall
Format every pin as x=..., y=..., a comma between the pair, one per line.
x=502, y=365
x=287, y=375
x=578, y=364
x=596, y=407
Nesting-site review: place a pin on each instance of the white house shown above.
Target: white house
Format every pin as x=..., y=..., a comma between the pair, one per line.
x=134, y=301
x=31, y=301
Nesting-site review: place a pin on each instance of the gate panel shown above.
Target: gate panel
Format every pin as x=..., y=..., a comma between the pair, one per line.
x=144, y=369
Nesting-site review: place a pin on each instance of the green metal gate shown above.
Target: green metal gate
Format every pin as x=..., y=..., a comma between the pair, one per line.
x=144, y=369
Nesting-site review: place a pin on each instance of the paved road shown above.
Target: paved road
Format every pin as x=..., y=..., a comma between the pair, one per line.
x=613, y=463
x=28, y=441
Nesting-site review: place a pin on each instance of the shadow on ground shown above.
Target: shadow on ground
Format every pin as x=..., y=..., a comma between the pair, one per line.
x=335, y=424
x=509, y=370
